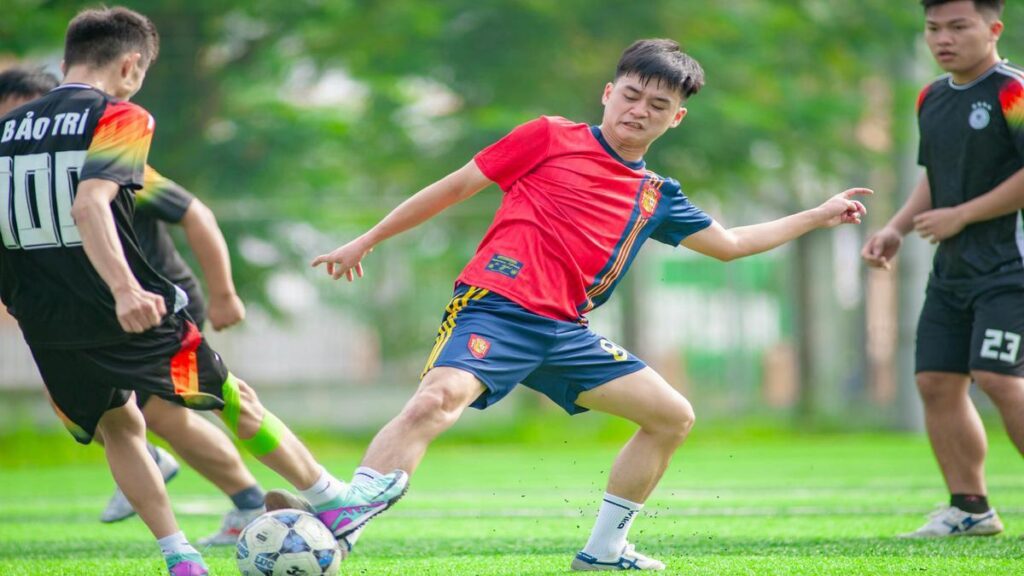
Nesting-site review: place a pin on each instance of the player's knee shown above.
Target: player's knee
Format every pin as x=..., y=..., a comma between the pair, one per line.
x=250, y=414
x=674, y=421
x=936, y=388
x=435, y=404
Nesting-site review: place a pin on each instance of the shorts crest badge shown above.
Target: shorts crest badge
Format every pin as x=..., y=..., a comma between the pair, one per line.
x=478, y=346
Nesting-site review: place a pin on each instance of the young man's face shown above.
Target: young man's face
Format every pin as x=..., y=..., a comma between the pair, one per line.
x=960, y=37
x=637, y=113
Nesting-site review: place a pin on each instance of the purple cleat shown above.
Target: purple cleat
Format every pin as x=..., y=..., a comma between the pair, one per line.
x=186, y=565
x=357, y=505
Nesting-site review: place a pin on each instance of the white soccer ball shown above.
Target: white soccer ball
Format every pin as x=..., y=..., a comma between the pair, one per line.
x=288, y=543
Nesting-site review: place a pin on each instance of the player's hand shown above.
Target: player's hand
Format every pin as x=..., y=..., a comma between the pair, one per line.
x=138, y=310
x=939, y=224
x=881, y=248
x=225, y=311
x=843, y=209
x=345, y=261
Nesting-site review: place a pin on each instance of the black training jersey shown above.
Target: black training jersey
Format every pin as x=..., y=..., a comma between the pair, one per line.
x=47, y=147
x=163, y=201
x=972, y=139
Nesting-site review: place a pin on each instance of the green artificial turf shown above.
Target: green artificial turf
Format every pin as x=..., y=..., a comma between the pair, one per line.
x=787, y=505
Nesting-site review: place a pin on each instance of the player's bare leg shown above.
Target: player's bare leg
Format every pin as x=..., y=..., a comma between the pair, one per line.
x=124, y=436
x=437, y=404
x=955, y=430
x=200, y=443
x=124, y=439
x=211, y=453
x=665, y=418
x=958, y=440
x=269, y=440
x=1007, y=393
x=343, y=508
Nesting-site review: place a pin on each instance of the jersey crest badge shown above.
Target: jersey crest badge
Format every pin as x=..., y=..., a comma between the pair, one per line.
x=981, y=115
x=478, y=346
x=649, y=197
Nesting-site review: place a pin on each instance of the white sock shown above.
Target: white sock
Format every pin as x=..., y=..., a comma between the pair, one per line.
x=365, y=474
x=175, y=544
x=323, y=491
x=613, y=521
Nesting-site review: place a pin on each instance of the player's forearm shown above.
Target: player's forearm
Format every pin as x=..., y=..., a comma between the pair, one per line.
x=920, y=200
x=426, y=204
x=207, y=243
x=757, y=238
x=1004, y=199
x=95, y=223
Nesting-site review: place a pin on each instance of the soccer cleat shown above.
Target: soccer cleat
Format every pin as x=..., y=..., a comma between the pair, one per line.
x=281, y=499
x=357, y=505
x=118, y=507
x=231, y=527
x=629, y=559
x=952, y=521
x=186, y=565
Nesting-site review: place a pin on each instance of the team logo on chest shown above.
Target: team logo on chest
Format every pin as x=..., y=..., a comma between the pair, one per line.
x=981, y=115
x=478, y=346
x=649, y=197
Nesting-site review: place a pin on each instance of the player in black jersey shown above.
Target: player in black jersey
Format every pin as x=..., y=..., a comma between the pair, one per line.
x=100, y=322
x=203, y=446
x=969, y=202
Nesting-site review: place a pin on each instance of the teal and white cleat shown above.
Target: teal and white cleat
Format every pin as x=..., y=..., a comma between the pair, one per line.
x=118, y=508
x=231, y=526
x=357, y=505
x=952, y=521
x=629, y=559
x=186, y=565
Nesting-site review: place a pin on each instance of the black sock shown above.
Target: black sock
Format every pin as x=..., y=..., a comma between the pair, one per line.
x=973, y=503
x=249, y=498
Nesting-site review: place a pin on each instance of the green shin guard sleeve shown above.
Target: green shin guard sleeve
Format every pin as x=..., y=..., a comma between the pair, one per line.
x=267, y=438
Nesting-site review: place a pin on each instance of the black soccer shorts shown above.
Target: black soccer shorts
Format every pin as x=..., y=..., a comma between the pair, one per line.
x=172, y=361
x=973, y=324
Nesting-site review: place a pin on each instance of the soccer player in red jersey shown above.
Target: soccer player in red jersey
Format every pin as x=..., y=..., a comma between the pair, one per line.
x=578, y=203
x=971, y=203
x=99, y=320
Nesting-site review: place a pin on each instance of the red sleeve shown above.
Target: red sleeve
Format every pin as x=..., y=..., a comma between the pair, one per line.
x=922, y=96
x=120, y=145
x=515, y=155
x=1011, y=101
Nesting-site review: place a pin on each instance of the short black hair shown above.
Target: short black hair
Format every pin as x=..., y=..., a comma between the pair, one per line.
x=661, y=59
x=98, y=36
x=22, y=83
x=993, y=6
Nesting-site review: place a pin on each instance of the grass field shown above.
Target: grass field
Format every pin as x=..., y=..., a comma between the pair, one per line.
x=745, y=504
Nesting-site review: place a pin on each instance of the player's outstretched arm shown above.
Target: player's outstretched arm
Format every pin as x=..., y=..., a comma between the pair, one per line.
x=729, y=244
x=942, y=223
x=137, y=310
x=211, y=250
x=883, y=245
x=422, y=206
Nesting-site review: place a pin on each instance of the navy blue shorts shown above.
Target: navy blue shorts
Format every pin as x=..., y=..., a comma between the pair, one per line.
x=503, y=344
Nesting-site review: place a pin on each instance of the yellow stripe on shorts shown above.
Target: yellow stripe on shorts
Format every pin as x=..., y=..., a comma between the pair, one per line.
x=444, y=332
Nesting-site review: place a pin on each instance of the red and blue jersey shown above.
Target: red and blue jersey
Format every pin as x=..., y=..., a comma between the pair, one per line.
x=573, y=218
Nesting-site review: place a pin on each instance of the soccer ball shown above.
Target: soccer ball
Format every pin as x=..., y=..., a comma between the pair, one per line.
x=287, y=543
